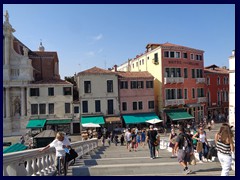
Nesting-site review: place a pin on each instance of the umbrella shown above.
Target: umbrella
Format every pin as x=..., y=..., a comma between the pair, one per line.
x=154, y=121
x=90, y=125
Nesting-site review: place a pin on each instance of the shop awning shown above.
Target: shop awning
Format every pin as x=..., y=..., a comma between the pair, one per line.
x=112, y=119
x=139, y=118
x=36, y=123
x=58, y=121
x=179, y=115
x=14, y=148
x=92, y=119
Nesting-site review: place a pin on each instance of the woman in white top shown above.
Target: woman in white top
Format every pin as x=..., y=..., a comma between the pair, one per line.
x=202, y=137
x=61, y=144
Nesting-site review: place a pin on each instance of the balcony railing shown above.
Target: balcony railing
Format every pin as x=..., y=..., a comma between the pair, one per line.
x=201, y=99
x=173, y=80
x=35, y=163
x=200, y=80
x=173, y=102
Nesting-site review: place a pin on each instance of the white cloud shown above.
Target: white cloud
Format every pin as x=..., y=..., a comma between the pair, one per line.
x=90, y=53
x=98, y=37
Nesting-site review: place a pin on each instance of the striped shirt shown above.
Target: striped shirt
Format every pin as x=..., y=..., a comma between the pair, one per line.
x=223, y=148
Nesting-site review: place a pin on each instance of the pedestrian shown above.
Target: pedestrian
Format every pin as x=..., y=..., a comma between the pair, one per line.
x=128, y=139
x=209, y=126
x=143, y=138
x=151, y=138
x=179, y=148
x=201, y=137
x=61, y=144
x=22, y=140
x=225, y=148
x=122, y=140
x=133, y=140
x=157, y=147
x=172, y=140
x=138, y=139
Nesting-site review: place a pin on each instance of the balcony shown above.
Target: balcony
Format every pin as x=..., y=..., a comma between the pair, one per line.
x=172, y=80
x=201, y=99
x=172, y=102
x=200, y=80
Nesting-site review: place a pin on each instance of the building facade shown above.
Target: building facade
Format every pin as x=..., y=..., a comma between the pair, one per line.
x=178, y=77
x=217, y=80
x=232, y=89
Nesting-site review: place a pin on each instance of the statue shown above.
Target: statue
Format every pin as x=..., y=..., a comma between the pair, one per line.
x=25, y=51
x=6, y=16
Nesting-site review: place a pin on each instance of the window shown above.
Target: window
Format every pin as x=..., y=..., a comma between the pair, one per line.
x=177, y=55
x=219, y=98
x=193, y=73
x=156, y=58
x=124, y=106
x=178, y=72
x=226, y=80
x=97, y=106
x=185, y=73
x=140, y=62
x=149, y=84
x=136, y=64
x=50, y=91
x=192, y=57
x=76, y=109
x=50, y=108
x=150, y=104
x=208, y=81
x=185, y=94
x=143, y=62
x=200, y=92
x=218, y=81
x=133, y=84
x=170, y=94
x=134, y=105
x=166, y=54
x=167, y=72
x=109, y=85
x=199, y=73
x=123, y=85
x=110, y=106
x=198, y=57
x=42, y=108
x=185, y=55
x=193, y=93
x=172, y=54
x=140, y=105
x=87, y=86
x=140, y=84
x=85, y=106
x=179, y=93
x=34, y=109
x=67, y=107
x=67, y=91
x=34, y=91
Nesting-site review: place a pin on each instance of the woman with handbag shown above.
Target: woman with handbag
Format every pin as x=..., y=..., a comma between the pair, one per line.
x=225, y=148
x=201, y=137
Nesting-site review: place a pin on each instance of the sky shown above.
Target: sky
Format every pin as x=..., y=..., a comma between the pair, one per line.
x=102, y=35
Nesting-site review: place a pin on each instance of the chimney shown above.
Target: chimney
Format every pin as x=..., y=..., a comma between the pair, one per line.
x=224, y=67
x=115, y=68
x=233, y=52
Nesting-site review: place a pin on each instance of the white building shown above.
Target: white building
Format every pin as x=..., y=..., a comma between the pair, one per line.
x=232, y=89
x=28, y=78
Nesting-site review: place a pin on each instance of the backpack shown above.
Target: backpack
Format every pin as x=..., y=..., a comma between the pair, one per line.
x=187, y=143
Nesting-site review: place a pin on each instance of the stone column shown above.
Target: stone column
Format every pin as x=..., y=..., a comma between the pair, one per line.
x=4, y=114
x=22, y=101
x=7, y=103
x=6, y=50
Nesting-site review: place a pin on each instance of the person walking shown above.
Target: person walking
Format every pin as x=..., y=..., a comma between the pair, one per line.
x=225, y=148
x=61, y=145
x=128, y=139
x=172, y=140
x=151, y=138
x=179, y=148
x=157, y=147
x=143, y=138
x=201, y=136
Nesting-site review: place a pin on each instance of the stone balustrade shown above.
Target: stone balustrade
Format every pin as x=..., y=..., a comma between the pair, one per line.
x=35, y=163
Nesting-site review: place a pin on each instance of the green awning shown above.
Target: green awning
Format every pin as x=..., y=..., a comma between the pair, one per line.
x=14, y=148
x=36, y=123
x=92, y=119
x=59, y=121
x=179, y=115
x=139, y=118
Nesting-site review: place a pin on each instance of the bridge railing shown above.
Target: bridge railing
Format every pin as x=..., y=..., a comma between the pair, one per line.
x=35, y=163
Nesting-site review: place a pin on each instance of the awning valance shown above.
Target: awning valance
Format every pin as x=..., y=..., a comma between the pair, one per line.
x=36, y=123
x=179, y=115
x=139, y=118
x=92, y=119
x=14, y=148
x=59, y=121
x=112, y=119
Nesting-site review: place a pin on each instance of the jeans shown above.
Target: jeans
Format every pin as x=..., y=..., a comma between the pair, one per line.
x=152, y=149
x=225, y=161
x=204, y=152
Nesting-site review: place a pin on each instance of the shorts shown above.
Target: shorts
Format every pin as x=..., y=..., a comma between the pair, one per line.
x=183, y=156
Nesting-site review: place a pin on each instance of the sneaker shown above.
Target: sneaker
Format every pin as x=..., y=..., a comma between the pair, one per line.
x=204, y=160
x=151, y=158
x=200, y=161
x=188, y=171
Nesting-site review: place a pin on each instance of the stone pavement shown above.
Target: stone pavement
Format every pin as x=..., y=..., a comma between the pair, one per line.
x=117, y=161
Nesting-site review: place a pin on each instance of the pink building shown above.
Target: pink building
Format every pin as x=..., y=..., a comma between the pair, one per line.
x=136, y=92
